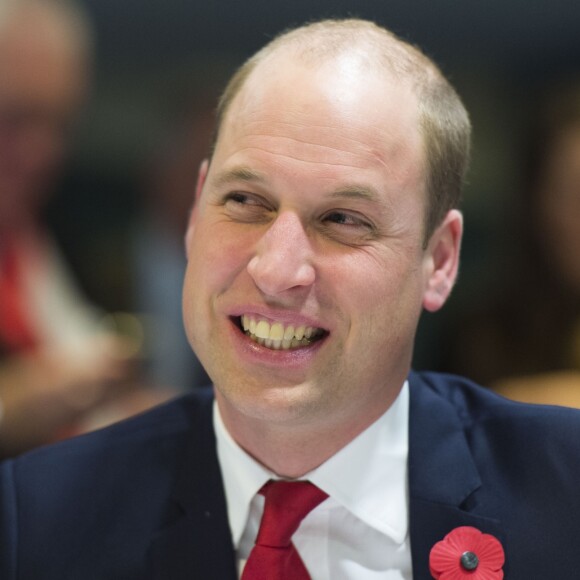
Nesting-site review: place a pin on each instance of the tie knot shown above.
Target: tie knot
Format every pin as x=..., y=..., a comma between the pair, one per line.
x=287, y=504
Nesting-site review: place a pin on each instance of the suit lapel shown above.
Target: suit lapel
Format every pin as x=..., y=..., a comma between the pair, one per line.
x=195, y=541
x=443, y=478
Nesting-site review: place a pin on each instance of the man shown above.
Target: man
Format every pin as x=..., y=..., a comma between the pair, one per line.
x=324, y=222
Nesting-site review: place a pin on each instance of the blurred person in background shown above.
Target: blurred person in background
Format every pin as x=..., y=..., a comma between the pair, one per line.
x=56, y=365
x=527, y=342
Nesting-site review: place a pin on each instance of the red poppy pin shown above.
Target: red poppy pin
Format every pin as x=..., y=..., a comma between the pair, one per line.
x=466, y=552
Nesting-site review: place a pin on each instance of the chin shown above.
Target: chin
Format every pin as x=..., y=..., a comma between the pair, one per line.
x=280, y=404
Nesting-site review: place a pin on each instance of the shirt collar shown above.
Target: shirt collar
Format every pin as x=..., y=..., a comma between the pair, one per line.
x=368, y=476
x=243, y=476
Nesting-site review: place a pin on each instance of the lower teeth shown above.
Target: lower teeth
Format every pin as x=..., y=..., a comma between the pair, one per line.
x=279, y=344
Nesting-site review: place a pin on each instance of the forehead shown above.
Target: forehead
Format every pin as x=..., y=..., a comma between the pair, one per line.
x=339, y=114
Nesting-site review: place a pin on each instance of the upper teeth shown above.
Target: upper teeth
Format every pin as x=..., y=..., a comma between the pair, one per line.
x=276, y=335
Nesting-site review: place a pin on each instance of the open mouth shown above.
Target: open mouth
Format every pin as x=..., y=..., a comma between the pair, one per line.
x=279, y=336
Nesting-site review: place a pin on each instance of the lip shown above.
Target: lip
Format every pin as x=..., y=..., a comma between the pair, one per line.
x=258, y=355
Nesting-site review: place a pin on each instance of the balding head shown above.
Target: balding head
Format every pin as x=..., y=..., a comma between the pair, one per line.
x=443, y=120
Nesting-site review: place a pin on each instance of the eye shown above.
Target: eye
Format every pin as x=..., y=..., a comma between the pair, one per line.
x=237, y=197
x=347, y=218
x=342, y=218
x=347, y=226
x=246, y=207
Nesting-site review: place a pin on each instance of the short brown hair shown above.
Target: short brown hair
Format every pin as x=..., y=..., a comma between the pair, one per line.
x=444, y=121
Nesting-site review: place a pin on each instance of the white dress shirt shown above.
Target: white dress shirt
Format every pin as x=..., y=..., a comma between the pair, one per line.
x=360, y=532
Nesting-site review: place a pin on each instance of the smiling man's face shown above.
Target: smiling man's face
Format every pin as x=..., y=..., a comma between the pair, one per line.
x=307, y=271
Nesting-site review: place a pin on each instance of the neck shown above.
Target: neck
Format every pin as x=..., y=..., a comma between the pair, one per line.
x=291, y=450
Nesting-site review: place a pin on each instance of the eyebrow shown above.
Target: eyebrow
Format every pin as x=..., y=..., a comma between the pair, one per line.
x=241, y=173
x=247, y=175
x=356, y=192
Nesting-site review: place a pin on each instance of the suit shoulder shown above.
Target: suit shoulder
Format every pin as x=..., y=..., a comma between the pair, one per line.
x=102, y=496
x=152, y=434
x=533, y=447
x=475, y=404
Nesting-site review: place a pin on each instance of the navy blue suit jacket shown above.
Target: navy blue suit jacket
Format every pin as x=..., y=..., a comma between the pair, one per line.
x=144, y=499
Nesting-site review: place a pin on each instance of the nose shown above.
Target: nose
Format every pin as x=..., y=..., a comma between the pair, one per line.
x=283, y=257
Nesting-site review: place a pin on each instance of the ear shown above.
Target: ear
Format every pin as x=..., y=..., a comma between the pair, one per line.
x=442, y=261
x=201, y=177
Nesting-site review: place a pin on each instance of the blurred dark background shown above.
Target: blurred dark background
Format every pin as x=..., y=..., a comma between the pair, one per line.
x=154, y=57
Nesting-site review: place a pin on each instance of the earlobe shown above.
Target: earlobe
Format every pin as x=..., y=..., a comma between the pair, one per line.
x=443, y=261
x=201, y=177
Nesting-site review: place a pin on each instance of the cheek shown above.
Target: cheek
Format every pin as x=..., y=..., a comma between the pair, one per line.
x=378, y=282
x=215, y=257
x=383, y=299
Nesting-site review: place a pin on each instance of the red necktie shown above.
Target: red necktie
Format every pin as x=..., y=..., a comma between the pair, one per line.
x=274, y=557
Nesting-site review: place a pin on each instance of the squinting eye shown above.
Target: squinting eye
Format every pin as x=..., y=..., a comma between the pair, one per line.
x=246, y=207
x=342, y=218
x=349, y=227
x=237, y=197
x=339, y=218
x=240, y=200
